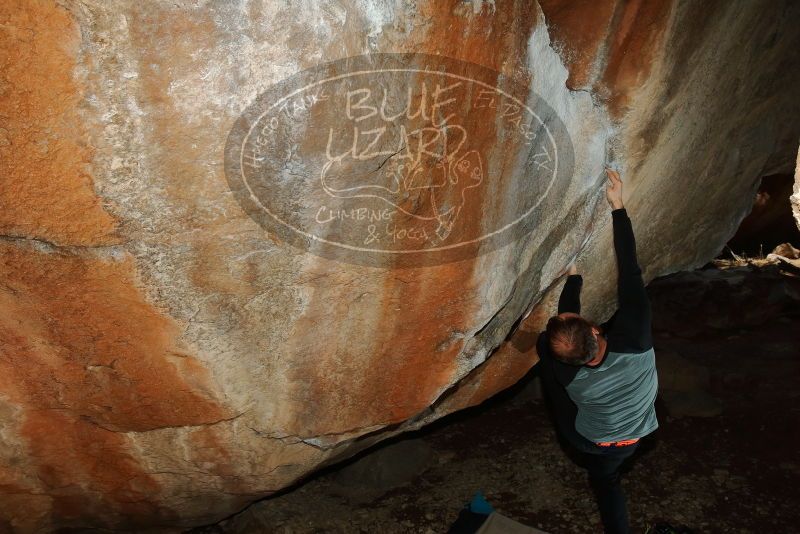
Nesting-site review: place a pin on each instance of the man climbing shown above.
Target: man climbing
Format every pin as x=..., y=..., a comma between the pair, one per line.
x=601, y=380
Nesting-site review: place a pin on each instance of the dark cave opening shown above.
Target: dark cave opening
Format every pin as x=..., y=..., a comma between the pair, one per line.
x=769, y=224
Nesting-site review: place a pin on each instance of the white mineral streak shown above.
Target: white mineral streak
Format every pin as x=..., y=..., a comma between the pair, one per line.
x=795, y=198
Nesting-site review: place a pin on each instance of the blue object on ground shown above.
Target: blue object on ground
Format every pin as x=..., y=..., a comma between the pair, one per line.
x=479, y=505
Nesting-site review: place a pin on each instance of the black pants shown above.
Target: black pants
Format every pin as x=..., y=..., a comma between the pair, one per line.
x=604, y=477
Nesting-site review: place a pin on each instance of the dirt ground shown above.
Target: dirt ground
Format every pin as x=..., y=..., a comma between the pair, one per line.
x=736, y=471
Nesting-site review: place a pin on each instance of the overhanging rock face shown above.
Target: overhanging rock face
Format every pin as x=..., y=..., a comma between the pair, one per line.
x=242, y=240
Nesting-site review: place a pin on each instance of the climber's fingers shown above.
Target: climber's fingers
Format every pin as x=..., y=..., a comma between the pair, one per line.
x=613, y=176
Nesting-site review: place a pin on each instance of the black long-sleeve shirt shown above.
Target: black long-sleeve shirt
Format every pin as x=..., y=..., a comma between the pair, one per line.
x=629, y=329
x=614, y=397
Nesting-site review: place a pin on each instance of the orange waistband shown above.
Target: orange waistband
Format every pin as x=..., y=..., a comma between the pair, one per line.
x=618, y=443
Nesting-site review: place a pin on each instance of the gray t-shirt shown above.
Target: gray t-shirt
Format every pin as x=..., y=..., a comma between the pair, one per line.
x=616, y=399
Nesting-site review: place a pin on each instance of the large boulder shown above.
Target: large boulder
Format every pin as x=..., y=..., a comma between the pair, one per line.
x=194, y=309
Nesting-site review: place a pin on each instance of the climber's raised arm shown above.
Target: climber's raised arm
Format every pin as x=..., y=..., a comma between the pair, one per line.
x=631, y=328
x=570, y=299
